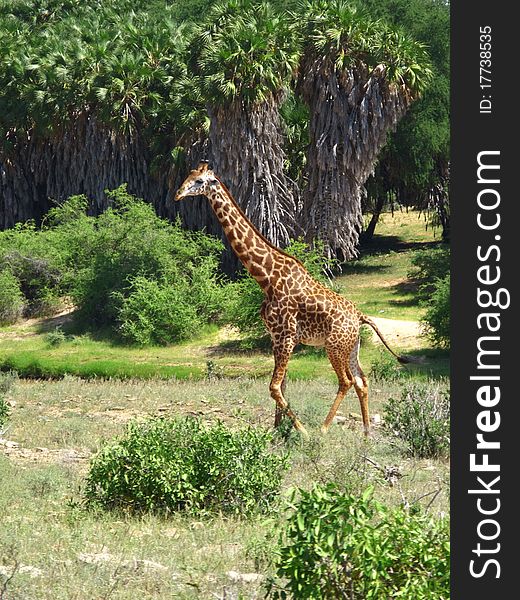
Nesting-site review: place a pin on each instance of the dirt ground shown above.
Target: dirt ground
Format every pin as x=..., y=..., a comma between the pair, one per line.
x=402, y=334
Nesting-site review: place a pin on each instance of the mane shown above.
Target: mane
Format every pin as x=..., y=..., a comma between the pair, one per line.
x=255, y=229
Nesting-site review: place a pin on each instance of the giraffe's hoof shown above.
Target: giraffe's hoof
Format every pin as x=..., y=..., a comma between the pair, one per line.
x=299, y=427
x=324, y=429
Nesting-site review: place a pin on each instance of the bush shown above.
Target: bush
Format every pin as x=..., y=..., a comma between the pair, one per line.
x=185, y=465
x=56, y=338
x=102, y=264
x=436, y=321
x=420, y=419
x=430, y=265
x=134, y=252
x=337, y=545
x=386, y=368
x=11, y=298
x=157, y=313
x=246, y=296
x=432, y=272
x=36, y=259
x=6, y=381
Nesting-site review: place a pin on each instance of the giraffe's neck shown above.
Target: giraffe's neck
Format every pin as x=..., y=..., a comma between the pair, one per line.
x=257, y=255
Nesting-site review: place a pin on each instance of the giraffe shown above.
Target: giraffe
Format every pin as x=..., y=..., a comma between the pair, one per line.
x=296, y=308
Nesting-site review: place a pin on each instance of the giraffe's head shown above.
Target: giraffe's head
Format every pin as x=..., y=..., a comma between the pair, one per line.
x=199, y=182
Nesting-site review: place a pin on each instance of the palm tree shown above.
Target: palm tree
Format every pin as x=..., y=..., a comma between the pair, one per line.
x=245, y=58
x=358, y=77
x=89, y=103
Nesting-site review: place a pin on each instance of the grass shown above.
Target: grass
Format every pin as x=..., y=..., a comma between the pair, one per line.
x=32, y=357
x=378, y=282
x=59, y=424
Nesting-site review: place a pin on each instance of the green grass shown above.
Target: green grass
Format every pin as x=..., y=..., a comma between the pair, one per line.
x=33, y=357
x=59, y=424
x=378, y=282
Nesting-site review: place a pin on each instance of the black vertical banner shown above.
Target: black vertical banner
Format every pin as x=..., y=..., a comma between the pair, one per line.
x=485, y=347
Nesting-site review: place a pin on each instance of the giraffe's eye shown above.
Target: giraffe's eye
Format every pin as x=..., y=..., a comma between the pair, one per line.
x=199, y=181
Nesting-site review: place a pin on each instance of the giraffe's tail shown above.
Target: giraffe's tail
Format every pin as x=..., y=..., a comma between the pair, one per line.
x=363, y=319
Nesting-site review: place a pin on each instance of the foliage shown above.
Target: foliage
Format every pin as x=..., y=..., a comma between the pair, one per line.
x=437, y=318
x=432, y=273
x=413, y=166
x=429, y=266
x=6, y=381
x=157, y=313
x=11, y=298
x=131, y=242
x=420, y=419
x=56, y=337
x=184, y=465
x=337, y=545
x=243, y=57
x=37, y=264
x=358, y=76
x=386, y=368
x=126, y=269
x=246, y=50
x=247, y=296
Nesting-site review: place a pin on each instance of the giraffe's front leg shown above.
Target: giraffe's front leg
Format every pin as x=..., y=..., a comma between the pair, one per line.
x=282, y=352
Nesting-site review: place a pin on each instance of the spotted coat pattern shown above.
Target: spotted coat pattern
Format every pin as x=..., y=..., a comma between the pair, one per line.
x=297, y=308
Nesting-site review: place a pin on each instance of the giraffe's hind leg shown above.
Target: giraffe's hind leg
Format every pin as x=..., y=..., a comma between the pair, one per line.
x=339, y=362
x=278, y=413
x=361, y=386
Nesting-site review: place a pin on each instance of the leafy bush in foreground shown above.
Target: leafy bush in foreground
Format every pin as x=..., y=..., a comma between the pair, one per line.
x=420, y=419
x=185, y=465
x=337, y=545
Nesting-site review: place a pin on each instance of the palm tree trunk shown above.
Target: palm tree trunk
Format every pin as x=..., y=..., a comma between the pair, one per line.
x=85, y=158
x=246, y=152
x=351, y=114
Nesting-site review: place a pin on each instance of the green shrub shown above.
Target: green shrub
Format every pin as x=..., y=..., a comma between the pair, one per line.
x=6, y=381
x=157, y=313
x=436, y=320
x=420, y=419
x=56, y=337
x=386, y=368
x=11, y=298
x=337, y=545
x=430, y=265
x=132, y=246
x=246, y=296
x=185, y=465
x=102, y=262
x=37, y=261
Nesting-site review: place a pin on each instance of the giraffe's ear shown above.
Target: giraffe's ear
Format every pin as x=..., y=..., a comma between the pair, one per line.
x=203, y=166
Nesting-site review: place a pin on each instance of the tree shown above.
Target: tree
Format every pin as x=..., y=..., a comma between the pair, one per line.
x=245, y=57
x=413, y=168
x=89, y=101
x=358, y=76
